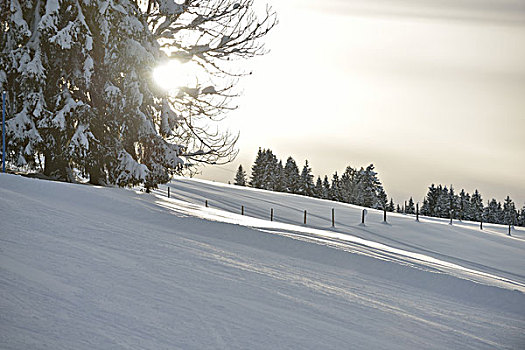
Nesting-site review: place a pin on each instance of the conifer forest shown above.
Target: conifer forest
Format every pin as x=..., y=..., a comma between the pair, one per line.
x=363, y=187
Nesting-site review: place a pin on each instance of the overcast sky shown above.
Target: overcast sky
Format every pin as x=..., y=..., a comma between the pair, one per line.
x=429, y=93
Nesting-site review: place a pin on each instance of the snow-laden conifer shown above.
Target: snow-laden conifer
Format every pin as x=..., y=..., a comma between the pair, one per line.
x=391, y=206
x=240, y=177
x=318, y=189
x=79, y=79
x=326, y=188
x=335, y=189
x=410, y=208
x=464, y=205
x=476, y=206
x=509, y=212
x=291, y=176
x=258, y=168
x=306, y=180
x=493, y=211
x=382, y=199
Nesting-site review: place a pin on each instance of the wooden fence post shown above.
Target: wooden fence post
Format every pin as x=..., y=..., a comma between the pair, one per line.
x=168, y=192
x=271, y=214
x=305, y=217
x=417, y=211
x=206, y=203
x=384, y=214
x=363, y=216
x=242, y=209
x=333, y=217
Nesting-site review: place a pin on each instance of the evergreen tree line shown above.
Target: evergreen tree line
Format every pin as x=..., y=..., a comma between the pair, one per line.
x=356, y=186
x=443, y=202
x=362, y=187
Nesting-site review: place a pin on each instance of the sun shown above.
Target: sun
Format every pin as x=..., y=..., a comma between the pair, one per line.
x=173, y=75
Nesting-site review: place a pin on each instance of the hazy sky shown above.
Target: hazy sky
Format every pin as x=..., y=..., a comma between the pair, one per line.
x=429, y=93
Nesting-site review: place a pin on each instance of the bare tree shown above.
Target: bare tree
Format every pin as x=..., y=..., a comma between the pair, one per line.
x=215, y=35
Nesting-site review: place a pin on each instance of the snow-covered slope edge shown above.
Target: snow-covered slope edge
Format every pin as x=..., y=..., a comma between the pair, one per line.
x=84, y=268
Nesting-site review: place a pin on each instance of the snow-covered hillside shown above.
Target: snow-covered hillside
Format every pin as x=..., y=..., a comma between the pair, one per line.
x=83, y=267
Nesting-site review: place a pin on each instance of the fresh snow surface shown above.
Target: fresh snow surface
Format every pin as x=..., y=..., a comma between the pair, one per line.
x=84, y=267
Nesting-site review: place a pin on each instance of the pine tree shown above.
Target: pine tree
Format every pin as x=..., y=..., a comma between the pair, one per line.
x=291, y=176
x=464, y=205
x=492, y=211
x=240, y=177
x=335, y=189
x=391, y=206
x=476, y=206
x=367, y=187
x=78, y=77
x=382, y=199
x=326, y=188
x=432, y=199
x=410, y=209
x=306, y=182
x=500, y=215
x=349, y=184
x=318, y=190
x=454, y=202
x=271, y=171
x=280, y=184
x=442, y=208
x=425, y=208
x=258, y=168
x=509, y=212
x=521, y=217
x=398, y=209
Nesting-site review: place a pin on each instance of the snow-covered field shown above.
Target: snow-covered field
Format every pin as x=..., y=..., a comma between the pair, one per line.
x=83, y=267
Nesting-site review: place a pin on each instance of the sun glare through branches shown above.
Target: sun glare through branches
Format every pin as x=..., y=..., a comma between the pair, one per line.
x=173, y=75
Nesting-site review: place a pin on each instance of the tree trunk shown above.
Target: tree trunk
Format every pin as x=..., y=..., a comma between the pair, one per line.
x=97, y=176
x=57, y=168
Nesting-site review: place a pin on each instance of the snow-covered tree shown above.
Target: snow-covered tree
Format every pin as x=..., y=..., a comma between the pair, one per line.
x=391, y=206
x=410, y=208
x=425, y=208
x=326, y=188
x=367, y=187
x=521, y=217
x=272, y=172
x=454, y=202
x=265, y=171
x=442, y=208
x=476, y=206
x=279, y=180
x=464, y=206
x=78, y=77
x=306, y=180
x=240, y=177
x=382, y=198
x=257, y=176
x=349, y=182
x=335, y=189
x=509, y=212
x=493, y=211
x=318, y=189
x=291, y=176
x=430, y=206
